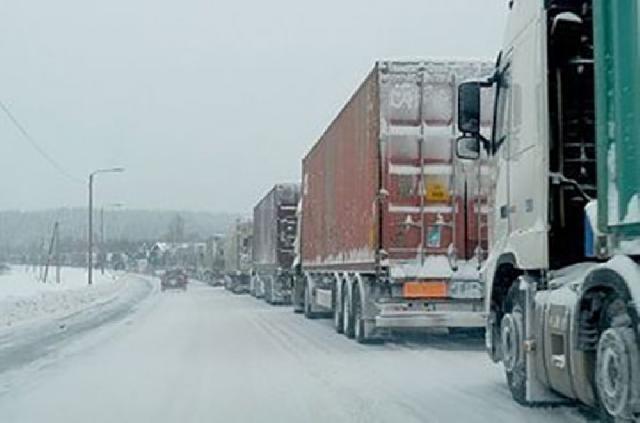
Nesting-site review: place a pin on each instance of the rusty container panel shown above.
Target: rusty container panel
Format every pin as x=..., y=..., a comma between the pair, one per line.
x=340, y=185
x=426, y=216
x=383, y=184
x=274, y=228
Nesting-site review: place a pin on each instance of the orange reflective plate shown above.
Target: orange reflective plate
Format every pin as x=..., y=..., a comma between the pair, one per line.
x=424, y=290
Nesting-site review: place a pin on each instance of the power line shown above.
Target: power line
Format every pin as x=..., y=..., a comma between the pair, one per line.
x=35, y=145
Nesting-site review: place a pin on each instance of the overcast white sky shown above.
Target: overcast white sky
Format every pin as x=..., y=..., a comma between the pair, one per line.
x=206, y=103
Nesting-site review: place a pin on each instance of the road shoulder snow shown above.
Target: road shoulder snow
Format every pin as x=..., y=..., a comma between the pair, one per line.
x=36, y=339
x=24, y=299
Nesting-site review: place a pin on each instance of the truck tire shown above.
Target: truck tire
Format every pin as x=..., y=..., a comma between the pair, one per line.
x=268, y=298
x=308, y=313
x=512, y=336
x=272, y=287
x=358, y=319
x=347, y=313
x=296, y=298
x=617, y=368
x=338, y=324
x=252, y=287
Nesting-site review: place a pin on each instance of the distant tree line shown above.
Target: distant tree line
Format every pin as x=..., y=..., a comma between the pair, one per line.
x=26, y=233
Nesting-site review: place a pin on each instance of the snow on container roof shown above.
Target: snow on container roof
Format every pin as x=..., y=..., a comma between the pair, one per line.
x=438, y=68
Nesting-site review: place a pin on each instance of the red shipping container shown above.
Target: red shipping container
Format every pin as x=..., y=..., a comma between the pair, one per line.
x=382, y=189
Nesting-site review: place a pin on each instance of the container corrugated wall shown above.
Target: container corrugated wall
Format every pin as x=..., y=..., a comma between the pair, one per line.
x=340, y=185
x=383, y=176
x=435, y=203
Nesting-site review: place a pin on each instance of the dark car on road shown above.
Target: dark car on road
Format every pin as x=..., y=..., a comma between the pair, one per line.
x=174, y=279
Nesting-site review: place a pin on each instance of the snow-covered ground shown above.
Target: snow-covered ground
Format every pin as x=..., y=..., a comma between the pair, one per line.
x=210, y=356
x=24, y=298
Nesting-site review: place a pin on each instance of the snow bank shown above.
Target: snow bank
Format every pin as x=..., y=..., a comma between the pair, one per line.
x=23, y=298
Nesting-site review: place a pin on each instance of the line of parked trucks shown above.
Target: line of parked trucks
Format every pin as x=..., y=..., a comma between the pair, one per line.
x=465, y=194
x=388, y=228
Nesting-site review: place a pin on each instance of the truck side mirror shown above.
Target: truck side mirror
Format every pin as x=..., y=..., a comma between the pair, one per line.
x=468, y=147
x=469, y=108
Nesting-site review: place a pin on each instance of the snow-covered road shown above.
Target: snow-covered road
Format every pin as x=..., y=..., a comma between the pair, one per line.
x=209, y=356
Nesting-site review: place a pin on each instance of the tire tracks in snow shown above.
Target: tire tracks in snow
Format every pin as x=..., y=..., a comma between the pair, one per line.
x=322, y=353
x=356, y=374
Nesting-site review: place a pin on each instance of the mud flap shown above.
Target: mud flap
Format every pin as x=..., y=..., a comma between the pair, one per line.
x=492, y=338
x=370, y=330
x=370, y=311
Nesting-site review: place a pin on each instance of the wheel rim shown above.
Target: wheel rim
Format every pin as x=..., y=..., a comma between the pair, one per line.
x=613, y=370
x=612, y=377
x=511, y=337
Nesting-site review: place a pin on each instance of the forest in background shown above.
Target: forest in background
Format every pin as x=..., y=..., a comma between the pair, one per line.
x=22, y=232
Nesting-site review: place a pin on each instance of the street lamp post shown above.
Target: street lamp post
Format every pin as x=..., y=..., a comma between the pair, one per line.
x=91, y=177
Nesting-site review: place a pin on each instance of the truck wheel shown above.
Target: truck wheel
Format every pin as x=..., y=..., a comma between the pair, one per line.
x=614, y=373
x=337, y=316
x=512, y=337
x=617, y=371
x=347, y=314
x=358, y=320
x=307, y=303
x=296, y=298
x=271, y=285
x=267, y=291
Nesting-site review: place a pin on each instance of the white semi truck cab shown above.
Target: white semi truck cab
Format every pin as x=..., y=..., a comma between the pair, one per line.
x=562, y=276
